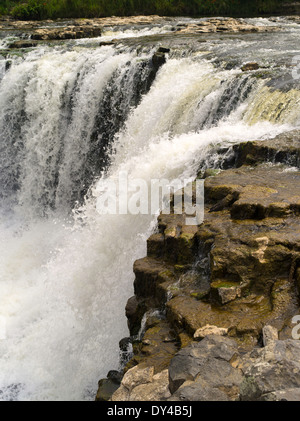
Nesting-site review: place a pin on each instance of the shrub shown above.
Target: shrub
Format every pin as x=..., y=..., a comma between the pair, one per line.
x=33, y=10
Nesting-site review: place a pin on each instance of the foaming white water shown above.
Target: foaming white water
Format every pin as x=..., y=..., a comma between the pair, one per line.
x=110, y=34
x=64, y=284
x=61, y=311
x=49, y=103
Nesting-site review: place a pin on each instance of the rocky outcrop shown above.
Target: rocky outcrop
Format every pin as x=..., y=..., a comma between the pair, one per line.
x=69, y=32
x=107, y=387
x=235, y=275
x=272, y=373
x=215, y=370
x=223, y=25
x=283, y=149
x=250, y=66
x=141, y=384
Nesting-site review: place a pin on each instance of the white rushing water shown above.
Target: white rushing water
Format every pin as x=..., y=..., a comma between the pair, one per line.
x=65, y=278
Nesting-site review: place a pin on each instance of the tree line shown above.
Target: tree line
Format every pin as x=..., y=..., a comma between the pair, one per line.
x=52, y=9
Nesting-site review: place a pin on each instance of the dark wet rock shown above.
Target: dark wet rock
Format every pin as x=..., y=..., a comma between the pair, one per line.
x=163, y=50
x=158, y=59
x=70, y=32
x=124, y=344
x=8, y=64
x=106, y=43
x=282, y=149
x=106, y=388
x=135, y=310
x=148, y=274
x=250, y=66
x=115, y=376
x=23, y=44
x=224, y=203
x=157, y=347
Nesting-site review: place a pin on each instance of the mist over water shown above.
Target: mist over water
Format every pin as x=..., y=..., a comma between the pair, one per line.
x=69, y=116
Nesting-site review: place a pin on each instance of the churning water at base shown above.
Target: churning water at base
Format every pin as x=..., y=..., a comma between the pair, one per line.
x=65, y=116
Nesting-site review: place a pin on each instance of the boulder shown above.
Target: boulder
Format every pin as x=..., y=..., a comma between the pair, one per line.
x=209, y=330
x=158, y=60
x=157, y=390
x=69, y=32
x=250, y=66
x=106, y=388
x=270, y=334
x=195, y=391
x=273, y=368
x=217, y=380
x=136, y=376
x=197, y=361
x=163, y=50
x=134, y=310
x=140, y=384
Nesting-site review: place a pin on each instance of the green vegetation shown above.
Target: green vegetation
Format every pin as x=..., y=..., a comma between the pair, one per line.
x=43, y=9
x=5, y=6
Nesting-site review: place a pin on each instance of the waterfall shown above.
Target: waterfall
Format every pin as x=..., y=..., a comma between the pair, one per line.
x=59, y=114
x=70, y=118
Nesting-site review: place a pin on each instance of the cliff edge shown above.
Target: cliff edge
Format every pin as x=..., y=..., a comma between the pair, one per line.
x=209, y=296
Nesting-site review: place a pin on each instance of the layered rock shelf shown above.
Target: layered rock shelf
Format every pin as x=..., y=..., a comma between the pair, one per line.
x=223, y=294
